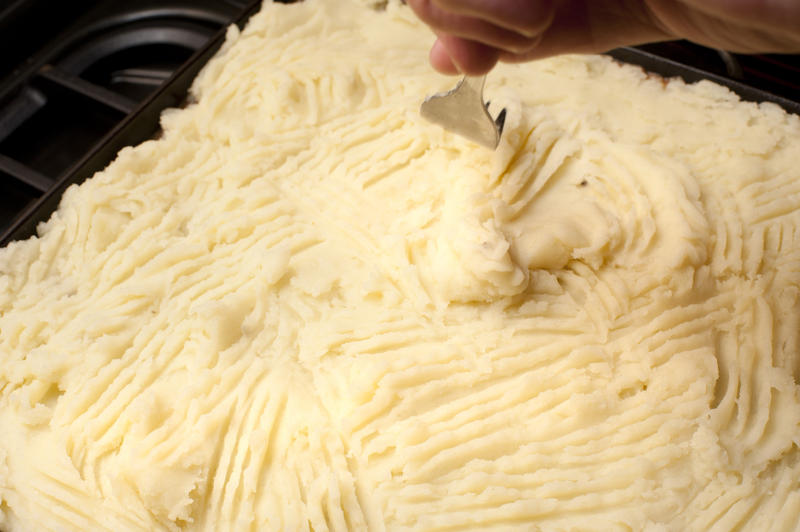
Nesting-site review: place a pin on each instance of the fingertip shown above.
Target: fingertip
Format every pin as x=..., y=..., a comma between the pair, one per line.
x=440, y=60
x=540, y=19
x=468, y=57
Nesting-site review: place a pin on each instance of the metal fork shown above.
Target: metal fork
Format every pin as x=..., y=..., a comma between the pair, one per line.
x=463, y=112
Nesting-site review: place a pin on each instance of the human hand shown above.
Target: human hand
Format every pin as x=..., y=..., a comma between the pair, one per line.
x=473, y=35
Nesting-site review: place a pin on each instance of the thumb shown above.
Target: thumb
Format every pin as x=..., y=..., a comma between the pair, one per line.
x=453, y=55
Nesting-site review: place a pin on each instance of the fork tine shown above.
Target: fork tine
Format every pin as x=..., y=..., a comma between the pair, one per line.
x=501, y=120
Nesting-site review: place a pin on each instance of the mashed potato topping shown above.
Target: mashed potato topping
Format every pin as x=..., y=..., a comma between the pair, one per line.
x=304, y=307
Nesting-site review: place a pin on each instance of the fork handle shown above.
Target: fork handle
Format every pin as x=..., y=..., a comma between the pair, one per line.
x=473, y=83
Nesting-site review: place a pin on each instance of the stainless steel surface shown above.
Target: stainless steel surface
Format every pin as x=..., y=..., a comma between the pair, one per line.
x=463, y=112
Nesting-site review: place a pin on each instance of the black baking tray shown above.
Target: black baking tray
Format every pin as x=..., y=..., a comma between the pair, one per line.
x=670, y=69
x=140, y=125
x=143, y=124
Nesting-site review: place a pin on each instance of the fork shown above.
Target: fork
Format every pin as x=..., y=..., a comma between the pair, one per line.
x=462, y=111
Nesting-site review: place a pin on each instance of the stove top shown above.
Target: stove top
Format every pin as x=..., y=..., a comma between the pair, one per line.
x=71, y=71
x=774, y=73
x=68, y=77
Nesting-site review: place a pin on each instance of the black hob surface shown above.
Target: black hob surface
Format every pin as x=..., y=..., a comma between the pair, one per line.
x=72, y=71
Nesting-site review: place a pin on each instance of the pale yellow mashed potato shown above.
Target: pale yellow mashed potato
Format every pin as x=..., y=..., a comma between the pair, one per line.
x=304, y=307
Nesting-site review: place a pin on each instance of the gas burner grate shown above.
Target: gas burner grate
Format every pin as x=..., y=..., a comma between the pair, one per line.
x=63, y=99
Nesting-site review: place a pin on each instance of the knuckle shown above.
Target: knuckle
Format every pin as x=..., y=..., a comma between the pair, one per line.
x=521, y=55
x=529, y=30
x=533, y=22
x=431, y=15
x=422, y=8
x=447, y=4
x=521, y=46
